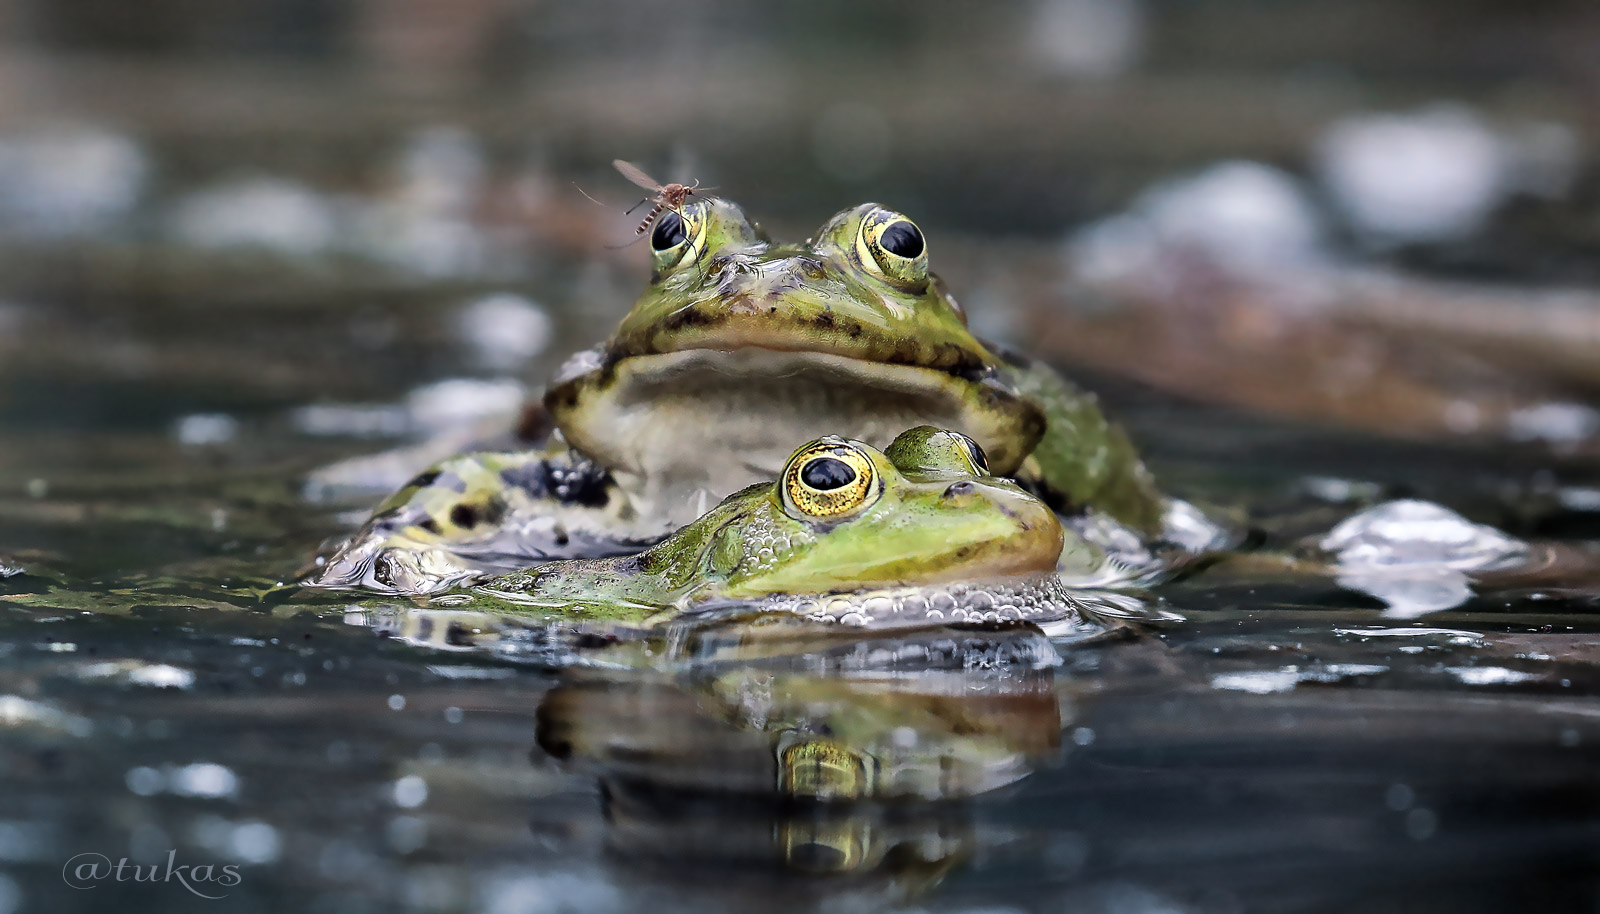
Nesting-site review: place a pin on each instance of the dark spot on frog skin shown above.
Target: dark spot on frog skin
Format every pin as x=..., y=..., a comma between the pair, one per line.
x=579, y=483
x=441, y=479
x=687, y=317
x=566, y=397
x=969, y=368
x=430, y=525
x=468, y=516
x=824, y=320
x=423, y=479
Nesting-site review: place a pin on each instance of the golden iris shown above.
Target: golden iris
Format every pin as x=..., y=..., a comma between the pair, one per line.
x=892, y=246
x=829, y=479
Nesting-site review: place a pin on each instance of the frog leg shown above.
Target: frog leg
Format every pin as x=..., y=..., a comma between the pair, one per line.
x=1087, y=468
x=388, y=470
x=1084, y=459
x=483, y=513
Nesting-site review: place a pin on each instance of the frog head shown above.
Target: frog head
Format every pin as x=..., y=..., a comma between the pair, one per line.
x=848, y=533
x=760, y=346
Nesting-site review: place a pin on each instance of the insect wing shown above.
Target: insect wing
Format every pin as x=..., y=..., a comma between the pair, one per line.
x=632, y=173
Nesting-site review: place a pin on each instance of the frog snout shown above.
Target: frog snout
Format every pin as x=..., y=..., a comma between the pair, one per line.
x=763, y=285
x=1027, y=511
x=1035, y=538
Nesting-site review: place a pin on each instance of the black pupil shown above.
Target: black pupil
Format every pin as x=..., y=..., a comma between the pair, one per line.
x=979, y=458
x=669, y=231
x=901, y=239
x=827, y=473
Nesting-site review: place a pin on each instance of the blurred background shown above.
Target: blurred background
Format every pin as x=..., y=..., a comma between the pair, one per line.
x=319, y=220
x=1315, y=253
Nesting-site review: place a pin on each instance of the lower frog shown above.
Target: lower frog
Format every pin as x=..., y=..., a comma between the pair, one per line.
x=739, y=349
x=917, y=534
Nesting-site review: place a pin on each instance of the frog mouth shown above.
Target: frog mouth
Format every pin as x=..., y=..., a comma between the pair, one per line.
x=765, y=320
x=756, y=404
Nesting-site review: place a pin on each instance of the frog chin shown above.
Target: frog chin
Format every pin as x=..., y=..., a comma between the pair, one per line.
x=724, y=419
x=1038, y=598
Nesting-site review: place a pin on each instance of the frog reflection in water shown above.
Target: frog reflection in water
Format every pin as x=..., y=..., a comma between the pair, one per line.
x=916, y=535
x=834, y=761
x=739, y=350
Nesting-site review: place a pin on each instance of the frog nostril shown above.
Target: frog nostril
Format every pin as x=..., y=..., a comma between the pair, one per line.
x=729, y=272
x=959, y=489
x=811, y=269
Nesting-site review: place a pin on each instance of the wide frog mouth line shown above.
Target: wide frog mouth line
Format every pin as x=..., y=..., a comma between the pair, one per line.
x=885, y=332
x=946, y=358
x=758, y=403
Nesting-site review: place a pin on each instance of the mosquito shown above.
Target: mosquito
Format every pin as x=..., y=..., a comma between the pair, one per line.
x=664, y=196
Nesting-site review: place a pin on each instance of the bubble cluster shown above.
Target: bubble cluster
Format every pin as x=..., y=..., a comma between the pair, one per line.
x=1034, y=599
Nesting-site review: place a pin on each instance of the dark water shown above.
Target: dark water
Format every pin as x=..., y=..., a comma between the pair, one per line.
x=1285, y=748
x=236, y=239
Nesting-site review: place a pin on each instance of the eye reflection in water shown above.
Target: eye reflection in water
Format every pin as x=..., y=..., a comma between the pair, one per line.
x=847, y=758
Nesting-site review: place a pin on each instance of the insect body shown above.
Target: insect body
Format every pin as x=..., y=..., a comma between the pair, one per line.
x=664, y=196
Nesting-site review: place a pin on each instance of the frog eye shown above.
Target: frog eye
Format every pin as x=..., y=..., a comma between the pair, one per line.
x=678, y=237
x=972, y=450
x=892, y=246
x=980, y=460
x=829, y=479
x=929, y=451
x=668, y=232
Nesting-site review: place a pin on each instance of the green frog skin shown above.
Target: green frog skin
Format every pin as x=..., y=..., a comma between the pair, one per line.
x=847, y=534
x=739, y=349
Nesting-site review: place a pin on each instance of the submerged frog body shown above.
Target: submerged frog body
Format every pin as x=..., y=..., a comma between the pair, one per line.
x=850, y=534
x=739, y=350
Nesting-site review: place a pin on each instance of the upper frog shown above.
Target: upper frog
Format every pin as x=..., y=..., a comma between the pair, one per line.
x=739, y=349
x=847, y=533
